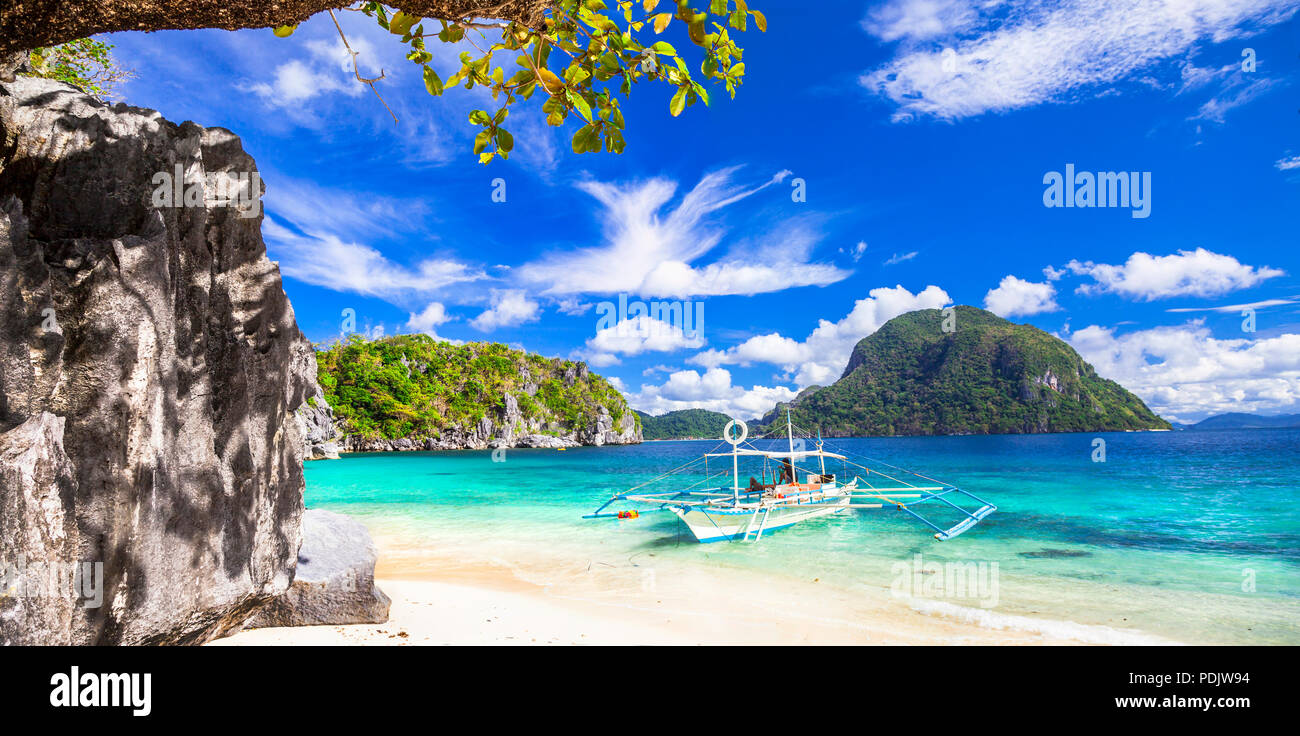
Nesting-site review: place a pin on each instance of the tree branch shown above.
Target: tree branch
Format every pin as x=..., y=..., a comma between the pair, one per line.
x=30, y=24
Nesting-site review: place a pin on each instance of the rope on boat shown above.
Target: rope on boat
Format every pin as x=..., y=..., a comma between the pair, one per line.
x=681, y=467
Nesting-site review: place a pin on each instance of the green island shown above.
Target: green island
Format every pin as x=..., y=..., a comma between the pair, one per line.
x=416, y=386
x=985, y=375
x=683, y=424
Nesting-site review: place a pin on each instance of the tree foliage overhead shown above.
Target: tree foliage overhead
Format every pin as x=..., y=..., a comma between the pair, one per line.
x=578, y=56
x=85, y=63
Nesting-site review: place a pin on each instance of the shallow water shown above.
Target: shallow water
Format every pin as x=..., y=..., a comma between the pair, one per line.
x=1187, y=536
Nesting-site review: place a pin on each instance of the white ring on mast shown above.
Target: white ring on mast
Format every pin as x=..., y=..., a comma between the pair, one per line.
x=726, y=432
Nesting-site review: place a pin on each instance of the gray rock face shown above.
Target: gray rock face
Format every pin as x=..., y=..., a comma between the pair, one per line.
x=150, y=367
x=510, y=428
x=335, y=583
x=37, y=484
x=321, y=435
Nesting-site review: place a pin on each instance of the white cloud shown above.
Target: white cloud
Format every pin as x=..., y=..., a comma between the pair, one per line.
x=899, y=258
x=1017, y=297
x=429, y=319
x=1027, y=52
x=1185, y=374
x=324, y=259
x=1233, y=96
x=573, y=307
x=1187, y=273
x=642, y=334
x=1288, y=163
x=653, y=252
x=823, y=355
x=712, y=390
x=857, y=251
x=510, y=308
x=326, y=70
x=348, y=213
x=1237, y=307
x=919, y=19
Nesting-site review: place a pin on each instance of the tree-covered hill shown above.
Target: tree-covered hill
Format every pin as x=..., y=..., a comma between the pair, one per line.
x=438, y=394
x=986, y=376
x=683, y=424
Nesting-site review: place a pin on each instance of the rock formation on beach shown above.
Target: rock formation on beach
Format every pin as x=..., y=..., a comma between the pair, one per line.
x=150, y=369
x=335, y=580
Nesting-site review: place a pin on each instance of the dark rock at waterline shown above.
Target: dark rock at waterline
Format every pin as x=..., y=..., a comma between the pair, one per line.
x=1047, y=553
x=335, y=581
x=150, y=368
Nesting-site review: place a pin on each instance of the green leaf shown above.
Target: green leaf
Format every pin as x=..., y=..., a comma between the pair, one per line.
x=696, y=32
x=480, y=117
x=585, y=138
x=579, y=102
x=401, y=23
x=505, y=141
x=678, y=103
x=663, y=47
x=481, y=140
x=500, y=116
x=285, y=31
x=576, y=74
x=432, y=82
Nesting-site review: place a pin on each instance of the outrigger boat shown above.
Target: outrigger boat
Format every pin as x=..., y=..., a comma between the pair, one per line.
x=746, y=513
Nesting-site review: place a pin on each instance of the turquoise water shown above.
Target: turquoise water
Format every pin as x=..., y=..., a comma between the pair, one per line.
x=1184, y=536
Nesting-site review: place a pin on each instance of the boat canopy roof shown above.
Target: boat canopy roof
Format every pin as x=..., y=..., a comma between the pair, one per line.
x=764, y=453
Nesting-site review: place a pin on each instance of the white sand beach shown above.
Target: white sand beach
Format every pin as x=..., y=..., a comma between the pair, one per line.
x=437, y=600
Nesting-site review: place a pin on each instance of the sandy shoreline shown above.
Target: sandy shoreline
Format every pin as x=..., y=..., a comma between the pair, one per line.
x=441, y=601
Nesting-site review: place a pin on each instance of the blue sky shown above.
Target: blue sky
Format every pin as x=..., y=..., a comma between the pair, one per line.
x=920, y=131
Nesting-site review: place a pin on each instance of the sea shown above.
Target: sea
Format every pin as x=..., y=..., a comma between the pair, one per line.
x=1108, y=538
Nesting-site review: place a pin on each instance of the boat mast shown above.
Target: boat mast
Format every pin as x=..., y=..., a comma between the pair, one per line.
x=790, y=434
x=820, y=457
x=735, y=475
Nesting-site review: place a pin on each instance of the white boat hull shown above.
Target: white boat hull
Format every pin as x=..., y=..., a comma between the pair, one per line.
x=719, y=524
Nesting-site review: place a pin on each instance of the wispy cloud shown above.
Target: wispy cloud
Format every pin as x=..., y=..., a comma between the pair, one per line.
x=1020, y=53
x=656, y=250
x=1237, y=307
x=898, y=258
x=1288, y=163
x=325, y=259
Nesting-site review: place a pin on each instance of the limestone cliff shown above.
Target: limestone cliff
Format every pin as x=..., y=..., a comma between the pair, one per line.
x=412, y=392
x=150, y=368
